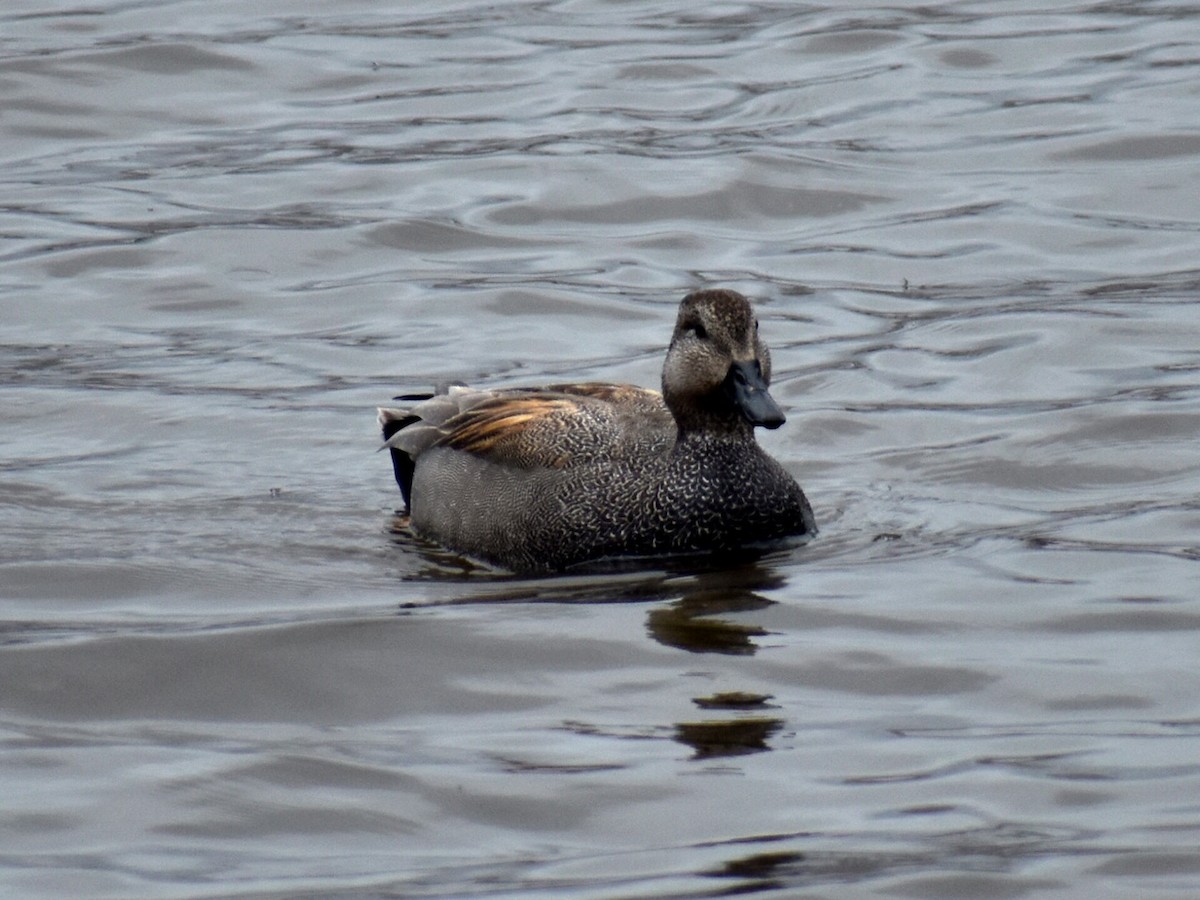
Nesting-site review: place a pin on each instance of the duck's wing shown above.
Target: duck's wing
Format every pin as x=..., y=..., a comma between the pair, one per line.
x=625, y=398
x=554, y=427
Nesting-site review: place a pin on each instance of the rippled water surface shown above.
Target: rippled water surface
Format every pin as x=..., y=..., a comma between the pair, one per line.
x=228, y=230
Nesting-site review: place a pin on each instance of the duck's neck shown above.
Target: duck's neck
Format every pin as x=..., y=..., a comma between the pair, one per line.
x=737, y=433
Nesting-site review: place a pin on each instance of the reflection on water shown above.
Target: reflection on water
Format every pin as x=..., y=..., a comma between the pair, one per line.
x=691, y=623
x=733, y=700
x=229, y=232
x=735, y=737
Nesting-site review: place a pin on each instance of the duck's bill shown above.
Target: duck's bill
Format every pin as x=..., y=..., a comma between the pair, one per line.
x=748, y=390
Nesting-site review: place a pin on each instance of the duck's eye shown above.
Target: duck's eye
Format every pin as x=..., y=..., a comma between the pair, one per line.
x=698, y=330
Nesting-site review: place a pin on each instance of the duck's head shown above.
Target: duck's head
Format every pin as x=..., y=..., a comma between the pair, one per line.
x=718, y=370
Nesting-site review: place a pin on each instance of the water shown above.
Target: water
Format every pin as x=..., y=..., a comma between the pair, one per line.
x=229, y=231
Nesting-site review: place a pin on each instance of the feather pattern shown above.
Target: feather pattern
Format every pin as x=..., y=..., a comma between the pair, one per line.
x=538, y=479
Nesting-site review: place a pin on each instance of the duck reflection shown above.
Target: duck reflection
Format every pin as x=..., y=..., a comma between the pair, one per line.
x=735, y=737
x=691, y=624
x=701, y=586
x=695, y=621
x=763, y=867
x=695, y=598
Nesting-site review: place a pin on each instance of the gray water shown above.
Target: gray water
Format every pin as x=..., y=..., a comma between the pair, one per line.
x=229, y=230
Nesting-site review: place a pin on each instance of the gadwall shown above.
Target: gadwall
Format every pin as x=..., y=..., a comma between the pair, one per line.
x=540, y=479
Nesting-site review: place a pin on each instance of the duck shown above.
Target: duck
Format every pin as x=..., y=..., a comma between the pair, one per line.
x=545, y=479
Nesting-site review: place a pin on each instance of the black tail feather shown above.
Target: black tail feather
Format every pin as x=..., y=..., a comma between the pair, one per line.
x=402, y=463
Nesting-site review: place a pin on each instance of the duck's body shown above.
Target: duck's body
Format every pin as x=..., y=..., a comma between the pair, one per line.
x=542, y=479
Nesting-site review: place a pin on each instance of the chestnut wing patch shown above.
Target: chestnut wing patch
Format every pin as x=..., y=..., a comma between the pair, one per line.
x=530, y=430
